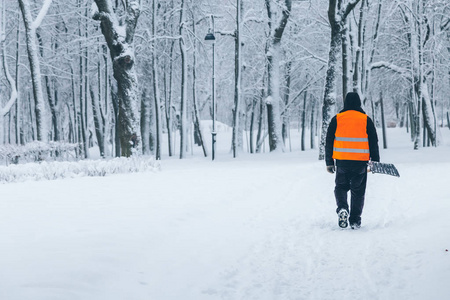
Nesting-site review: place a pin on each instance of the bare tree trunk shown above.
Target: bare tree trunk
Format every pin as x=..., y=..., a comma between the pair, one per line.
x=157, y=94
x=74, y=104
x=109, y=113
x=183, y=104
x=383, y=122
x=103, y=96
x=345, y=57
x=448, y=120
x=120, y=44
x=359, y=55
x=303, y=146
x=236, y=146
x=117, y=128
x=273, y=90
x=287, y=93
x=31, y=131
x=252, y=124
x=145, y=122
x=337, y=16
x=19, y=131
x=365, y=74
x=169, y=101
x=313, y=121
x=259, y=136
x=329, y=100
x=33, y=57
x=82, y=94
x=197, y=126
x=97, y=121
x=12, y=83
x=53, y=109
x=168, y=80
x=49, y=90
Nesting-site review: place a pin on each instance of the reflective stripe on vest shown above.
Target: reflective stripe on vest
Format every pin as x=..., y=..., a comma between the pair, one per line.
x=342, y=139
x=351, y=141
x=351, y=150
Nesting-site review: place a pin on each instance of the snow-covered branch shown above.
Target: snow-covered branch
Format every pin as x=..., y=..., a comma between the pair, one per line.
x=225, y=33
x=392, y=67
x=12, y=83
x=350, y=6
x=42, y=13
x=133, y=12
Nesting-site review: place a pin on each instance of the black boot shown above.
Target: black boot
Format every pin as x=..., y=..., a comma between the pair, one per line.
x=343, y=218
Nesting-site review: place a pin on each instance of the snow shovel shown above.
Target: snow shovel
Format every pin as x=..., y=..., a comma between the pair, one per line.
x=382, y=168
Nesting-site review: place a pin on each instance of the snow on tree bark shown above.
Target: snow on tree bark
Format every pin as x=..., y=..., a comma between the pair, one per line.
x=12, y=83
x=33, y=57
x=273, y=89
x=198, y=134
x=337, y=16
x=329, y=99
x=99, y=132
x=236, y=146
x=145, y=122
x=156, y=92
x=119, y=39
x=183, y=104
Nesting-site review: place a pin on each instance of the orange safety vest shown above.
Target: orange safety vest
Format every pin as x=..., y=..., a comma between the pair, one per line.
x=351, y=141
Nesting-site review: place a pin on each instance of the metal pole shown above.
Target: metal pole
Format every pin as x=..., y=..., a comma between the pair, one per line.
x=213, y=133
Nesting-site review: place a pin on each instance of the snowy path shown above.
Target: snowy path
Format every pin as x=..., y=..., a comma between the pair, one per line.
x=259, y=227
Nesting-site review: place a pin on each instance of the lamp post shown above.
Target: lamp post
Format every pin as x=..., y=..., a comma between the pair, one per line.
x=211, y=39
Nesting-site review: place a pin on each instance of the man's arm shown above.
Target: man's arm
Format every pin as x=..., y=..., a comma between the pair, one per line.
x=329, y=142
x=373, y=140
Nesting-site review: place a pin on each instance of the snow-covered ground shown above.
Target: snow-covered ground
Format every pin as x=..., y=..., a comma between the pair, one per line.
x=256, y=227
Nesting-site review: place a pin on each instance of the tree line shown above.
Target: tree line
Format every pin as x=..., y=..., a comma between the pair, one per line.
x=126, y=75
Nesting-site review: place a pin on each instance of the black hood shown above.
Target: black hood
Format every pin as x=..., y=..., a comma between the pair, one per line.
x=352, y=102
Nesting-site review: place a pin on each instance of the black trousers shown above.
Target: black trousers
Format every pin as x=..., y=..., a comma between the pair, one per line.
x=352, y=179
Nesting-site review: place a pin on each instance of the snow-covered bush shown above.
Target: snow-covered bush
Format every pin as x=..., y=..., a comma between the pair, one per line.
x=38, y=151
x=64, y=169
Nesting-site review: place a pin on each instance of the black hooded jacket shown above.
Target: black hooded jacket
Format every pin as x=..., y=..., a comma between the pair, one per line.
x=352, y=102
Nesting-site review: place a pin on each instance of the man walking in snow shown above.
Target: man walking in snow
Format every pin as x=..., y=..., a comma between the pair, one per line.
x=352, y=141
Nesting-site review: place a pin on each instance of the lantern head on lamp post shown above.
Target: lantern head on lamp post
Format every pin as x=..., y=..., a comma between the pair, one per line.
x=210, y=39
